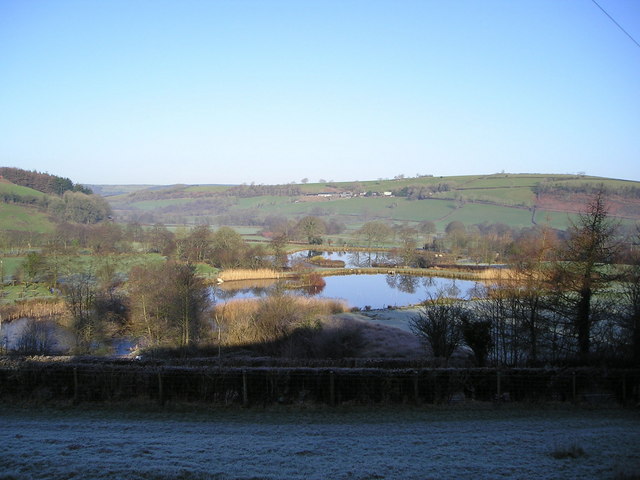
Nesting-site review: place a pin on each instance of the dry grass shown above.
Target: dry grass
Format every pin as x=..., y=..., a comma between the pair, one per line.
x=248, y=274
x=510, y=278
x=488, y=274
x=281, y=325
x=32, y=309
x=495, y=274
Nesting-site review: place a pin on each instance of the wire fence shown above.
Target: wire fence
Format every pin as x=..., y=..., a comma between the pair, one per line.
x=257, y=386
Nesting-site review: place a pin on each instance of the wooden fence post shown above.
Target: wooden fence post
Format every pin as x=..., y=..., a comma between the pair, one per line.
x=435, y=391
x=332, y=389
x=160, y=388
x=76, y=398
x=245, y=392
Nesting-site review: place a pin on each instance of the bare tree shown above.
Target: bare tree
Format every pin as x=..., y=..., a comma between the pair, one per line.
x=80, y=294
x=168, y=304
x=35, y=339
x=437, y=325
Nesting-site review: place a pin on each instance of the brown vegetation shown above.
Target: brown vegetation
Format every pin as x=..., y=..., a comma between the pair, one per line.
x=320, y=261
x=33, y=309
x=284, y=326
x=236, y=274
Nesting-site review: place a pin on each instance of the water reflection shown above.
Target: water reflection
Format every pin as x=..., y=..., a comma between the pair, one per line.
x=375, y=291
x=244, y=289
x=351, y=259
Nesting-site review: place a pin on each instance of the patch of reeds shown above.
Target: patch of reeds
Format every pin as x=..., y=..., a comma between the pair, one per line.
x=32, y=309
x=249, y=274
x=495, y=274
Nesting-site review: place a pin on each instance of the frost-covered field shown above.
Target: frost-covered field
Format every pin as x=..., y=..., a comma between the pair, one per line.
x=358, y=444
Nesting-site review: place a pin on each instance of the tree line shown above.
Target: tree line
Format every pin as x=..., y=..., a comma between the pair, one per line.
x=585, y=188
x=42, y=182
x=561, y=301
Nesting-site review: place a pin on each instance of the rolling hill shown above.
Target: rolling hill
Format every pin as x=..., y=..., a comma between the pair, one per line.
x=518, y=200
x=21, y=209
x=34, y=202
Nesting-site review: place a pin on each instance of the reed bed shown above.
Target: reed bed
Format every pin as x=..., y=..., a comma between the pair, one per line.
x=32, y=309
x=281, y=325
x=496, y=274
x=249, y=274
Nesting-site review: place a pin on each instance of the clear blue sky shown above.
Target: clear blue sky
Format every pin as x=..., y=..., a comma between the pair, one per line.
x=196, y=91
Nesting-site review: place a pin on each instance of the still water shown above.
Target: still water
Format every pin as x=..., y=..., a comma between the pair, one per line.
x=375, y=291
x=351, y=259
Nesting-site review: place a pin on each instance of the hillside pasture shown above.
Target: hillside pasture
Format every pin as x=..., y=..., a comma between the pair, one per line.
x=506, y=180
x=149, y=205
x=501, y=195
x=208, y=189
x=24, y=218
x=472, y=213
x=7, y=187
x=10, y=266
x=471, y=199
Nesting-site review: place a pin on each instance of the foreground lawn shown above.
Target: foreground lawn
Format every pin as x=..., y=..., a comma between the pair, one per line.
x=484, y=442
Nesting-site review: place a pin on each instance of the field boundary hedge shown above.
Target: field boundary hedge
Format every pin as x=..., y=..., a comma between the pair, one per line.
x=91, y=381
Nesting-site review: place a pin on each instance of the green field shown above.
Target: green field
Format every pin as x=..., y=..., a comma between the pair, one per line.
x=9, y=266
x=147, y=205
x=121, y=263
x=470, y=214
x=471, y=199
x=24, y=218
x=10, y=188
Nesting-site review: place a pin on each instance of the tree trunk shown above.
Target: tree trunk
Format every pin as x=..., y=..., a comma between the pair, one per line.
x=583, y=323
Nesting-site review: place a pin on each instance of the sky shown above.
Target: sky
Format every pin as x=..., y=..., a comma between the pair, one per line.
x=276, y=91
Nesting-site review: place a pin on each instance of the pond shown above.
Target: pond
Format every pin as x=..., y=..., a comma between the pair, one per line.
x=40, y=335
x=351, y=259
x=375, y=291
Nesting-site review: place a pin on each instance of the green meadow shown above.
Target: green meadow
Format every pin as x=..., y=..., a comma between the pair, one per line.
x=24, y=218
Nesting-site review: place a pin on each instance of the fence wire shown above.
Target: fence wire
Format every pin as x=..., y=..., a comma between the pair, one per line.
x=332, y=386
